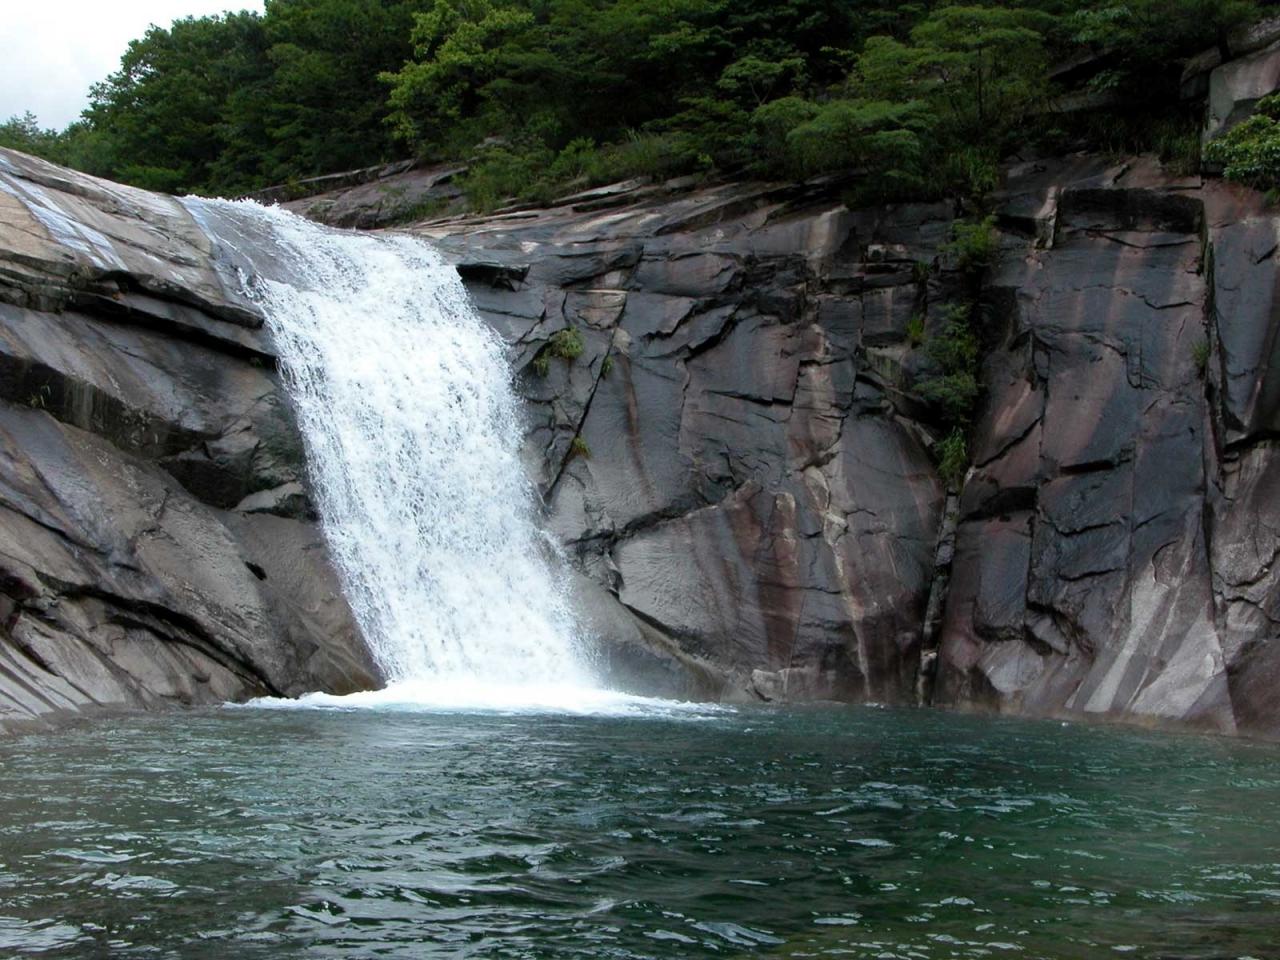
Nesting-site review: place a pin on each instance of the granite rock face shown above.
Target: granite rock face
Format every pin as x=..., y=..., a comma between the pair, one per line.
x=1234, y=75
x=725, y=459
x=378, y=197
x=1114, y=541
x=156, y=540
x=737, y=462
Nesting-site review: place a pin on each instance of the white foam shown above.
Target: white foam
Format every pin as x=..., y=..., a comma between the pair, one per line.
x=440, y=696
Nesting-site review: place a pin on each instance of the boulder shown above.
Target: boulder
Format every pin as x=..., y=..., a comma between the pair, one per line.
x=1235, y=86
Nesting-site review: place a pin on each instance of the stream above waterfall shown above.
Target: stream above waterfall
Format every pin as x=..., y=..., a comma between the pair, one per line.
x=669, y=832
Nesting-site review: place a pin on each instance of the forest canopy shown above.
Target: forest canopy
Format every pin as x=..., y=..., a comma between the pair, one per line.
x=921, y=99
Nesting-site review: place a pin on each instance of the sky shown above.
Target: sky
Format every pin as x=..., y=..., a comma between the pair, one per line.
x=52, y=50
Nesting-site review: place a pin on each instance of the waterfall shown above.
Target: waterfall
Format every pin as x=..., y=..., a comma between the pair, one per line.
x=412, y=432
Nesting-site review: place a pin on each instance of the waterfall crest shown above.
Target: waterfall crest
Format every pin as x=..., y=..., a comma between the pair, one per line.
x=412, y=432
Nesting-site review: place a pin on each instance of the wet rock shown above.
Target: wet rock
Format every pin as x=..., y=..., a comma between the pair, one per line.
x=145, y=444
x=736, y=507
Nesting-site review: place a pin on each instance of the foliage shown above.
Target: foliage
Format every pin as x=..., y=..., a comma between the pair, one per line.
x=1249, y=152
x=578, y=448
x=881, y=140
x=981, y=68
x=951, y=387
x=459, y=48
x=903, y=100
x=973, y=244
x=970, y=172
x=771, y=126
x=915, y=330
x=567, y=344
x=1200, y=355
x=429, y=208
x=953, y=457
x=323, y=110
x=231, y=103
x=921, y=116
x=164, y=109
x=1145, y=38
x=24, y=133
x=502, y=172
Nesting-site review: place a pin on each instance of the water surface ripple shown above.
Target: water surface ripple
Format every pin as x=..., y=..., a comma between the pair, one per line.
x=806, y=833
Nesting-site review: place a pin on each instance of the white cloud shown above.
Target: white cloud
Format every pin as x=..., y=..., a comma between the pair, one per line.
x=52, y=50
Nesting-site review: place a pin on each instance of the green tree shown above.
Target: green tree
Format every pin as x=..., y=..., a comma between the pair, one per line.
x=460, y=48
x=881, y=141
x=913, y=98
x=161, y=114
x=25, y=133
x=1149, y=36
x=981, y=69
x=323, y=109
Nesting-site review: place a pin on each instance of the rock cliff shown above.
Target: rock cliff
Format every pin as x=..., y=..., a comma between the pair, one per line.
x=156, y=543
x=737, y=461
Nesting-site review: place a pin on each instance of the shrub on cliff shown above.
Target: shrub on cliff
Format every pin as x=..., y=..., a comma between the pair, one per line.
x=973, y=245
x=882, y=141
x=1249, y=152
x=951, y=385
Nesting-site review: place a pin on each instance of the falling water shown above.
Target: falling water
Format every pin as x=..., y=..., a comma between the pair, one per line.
x=412, y=433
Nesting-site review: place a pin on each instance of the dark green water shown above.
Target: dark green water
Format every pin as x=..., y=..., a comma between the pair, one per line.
x=811, y=833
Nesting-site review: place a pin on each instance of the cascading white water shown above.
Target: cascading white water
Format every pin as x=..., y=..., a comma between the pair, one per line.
x=410, y=420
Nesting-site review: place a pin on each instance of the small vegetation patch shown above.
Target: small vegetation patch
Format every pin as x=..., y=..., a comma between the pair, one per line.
x=953, y=457
x=1249, y=152
x=951, y=387
x=1200, y=354
x=915, y=329
x=973, y=245
x=566, y=344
